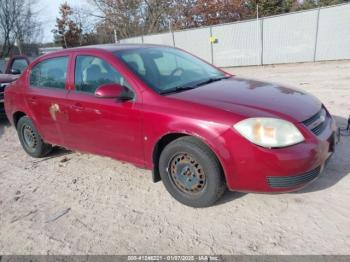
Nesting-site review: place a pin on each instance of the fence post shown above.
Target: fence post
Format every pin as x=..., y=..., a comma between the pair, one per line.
x=211, y=46
x=316, y=35
x=173, y=36
x=142, y=39
x=262, y=41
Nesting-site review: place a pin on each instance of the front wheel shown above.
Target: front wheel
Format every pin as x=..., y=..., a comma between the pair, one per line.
x=30, y=139
x=191, y=172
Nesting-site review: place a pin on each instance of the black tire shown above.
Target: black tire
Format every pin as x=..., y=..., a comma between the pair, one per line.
x=191, y=172
x=30, y=139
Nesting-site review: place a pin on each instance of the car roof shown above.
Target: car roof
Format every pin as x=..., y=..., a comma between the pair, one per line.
x=103, y=47
x=106, y=47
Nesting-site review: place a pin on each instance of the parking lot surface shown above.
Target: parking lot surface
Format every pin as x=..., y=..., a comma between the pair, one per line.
x=75, y=203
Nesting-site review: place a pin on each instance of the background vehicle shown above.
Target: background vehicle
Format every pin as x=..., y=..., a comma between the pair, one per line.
x=198, y=128
x=9, y=72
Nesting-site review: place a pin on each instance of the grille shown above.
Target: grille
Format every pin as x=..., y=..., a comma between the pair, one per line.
x=319, y=129
x=318, y=122
x=292, y=181
x=312, y=119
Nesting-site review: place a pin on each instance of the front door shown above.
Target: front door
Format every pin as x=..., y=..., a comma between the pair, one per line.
x=102, y=125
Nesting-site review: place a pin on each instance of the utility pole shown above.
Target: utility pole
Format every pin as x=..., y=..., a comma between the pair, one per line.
x=257, y=26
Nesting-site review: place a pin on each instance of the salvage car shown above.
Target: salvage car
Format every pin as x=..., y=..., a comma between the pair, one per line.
x=9, y=72
x=200, y=129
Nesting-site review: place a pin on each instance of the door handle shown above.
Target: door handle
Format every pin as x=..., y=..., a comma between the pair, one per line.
x=77, y=107
x=33, y=100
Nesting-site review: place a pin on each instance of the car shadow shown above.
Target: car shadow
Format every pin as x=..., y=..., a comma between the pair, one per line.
x=229, y=196
x=3, y=124
x=58, y=152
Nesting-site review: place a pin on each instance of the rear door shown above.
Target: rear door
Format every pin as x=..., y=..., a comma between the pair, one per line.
x=46, y=97
x=103, y=125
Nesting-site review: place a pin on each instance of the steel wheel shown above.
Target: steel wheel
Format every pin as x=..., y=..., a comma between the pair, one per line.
x=187, y=174
x=191, y=172
x=29, y=137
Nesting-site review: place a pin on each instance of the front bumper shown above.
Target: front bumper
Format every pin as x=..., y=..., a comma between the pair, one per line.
x=250, y=168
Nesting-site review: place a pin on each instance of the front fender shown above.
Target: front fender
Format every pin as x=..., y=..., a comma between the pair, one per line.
x=207, y=131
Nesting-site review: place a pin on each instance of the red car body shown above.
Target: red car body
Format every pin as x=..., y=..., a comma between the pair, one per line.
x=136, y=131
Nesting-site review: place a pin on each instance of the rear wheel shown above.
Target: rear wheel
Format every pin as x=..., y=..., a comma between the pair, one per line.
x=191, y=172
x=30, y=139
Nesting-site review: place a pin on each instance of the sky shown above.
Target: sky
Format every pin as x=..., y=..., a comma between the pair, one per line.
x=48, y=11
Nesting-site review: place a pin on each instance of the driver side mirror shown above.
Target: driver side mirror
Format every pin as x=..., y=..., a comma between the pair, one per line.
x=114, y=91
x=14, y=71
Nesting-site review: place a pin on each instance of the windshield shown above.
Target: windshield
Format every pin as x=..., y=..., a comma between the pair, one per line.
x=167, y=69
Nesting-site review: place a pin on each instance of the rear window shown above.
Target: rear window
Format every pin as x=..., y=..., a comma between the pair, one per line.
x=50, y=73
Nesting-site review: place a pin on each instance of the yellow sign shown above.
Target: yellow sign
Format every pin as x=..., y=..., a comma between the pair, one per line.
x=213, y=39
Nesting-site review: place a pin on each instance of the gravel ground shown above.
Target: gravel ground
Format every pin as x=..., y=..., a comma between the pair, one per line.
x=73, y=203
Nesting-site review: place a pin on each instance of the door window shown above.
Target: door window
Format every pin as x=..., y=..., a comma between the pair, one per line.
x=50, y=73
x=91, y=72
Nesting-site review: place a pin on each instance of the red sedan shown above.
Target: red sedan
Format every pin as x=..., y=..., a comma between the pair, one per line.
x=199, y=129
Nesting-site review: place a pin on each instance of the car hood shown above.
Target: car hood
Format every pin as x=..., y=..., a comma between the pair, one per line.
x=7, y=78
x=251, y=98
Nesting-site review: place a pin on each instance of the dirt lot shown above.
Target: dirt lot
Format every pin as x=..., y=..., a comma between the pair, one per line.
x=73, y=203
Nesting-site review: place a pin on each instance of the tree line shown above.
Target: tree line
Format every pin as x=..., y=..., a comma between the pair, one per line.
x=19, y=26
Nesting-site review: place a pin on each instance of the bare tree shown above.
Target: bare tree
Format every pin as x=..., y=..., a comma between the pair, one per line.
x=87, y=24
x=135, y=17
x=8, y=15
x=124, y=16
x=27, y=27
x=17, y=24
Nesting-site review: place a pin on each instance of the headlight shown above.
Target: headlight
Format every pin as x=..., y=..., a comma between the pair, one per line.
x=269, y=132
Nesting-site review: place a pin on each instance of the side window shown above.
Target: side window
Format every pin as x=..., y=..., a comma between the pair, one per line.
x=135, y=62
x=92, y=72
x=19, y=64
x=50, y=73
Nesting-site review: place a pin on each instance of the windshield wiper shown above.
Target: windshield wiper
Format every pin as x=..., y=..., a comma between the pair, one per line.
x=184, y=88
x=177, y=89
x=211, y=80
